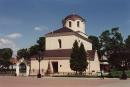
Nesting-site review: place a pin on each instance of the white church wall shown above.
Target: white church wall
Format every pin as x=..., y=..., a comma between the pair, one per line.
x=87, y=45
x=53, y=44
x=63, y=66
x=94, y=66
x=66, y=41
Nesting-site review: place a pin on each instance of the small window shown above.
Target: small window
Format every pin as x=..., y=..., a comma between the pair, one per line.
x=78, y=23
x=70, y=24
x=59, y=40
x=60, y=65
x=93, y=70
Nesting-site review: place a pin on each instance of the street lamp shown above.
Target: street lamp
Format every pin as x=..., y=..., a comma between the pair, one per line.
x=39, y=58
x=102, y=67
x=123, y=76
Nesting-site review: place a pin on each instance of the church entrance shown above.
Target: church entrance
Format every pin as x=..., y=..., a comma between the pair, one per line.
x=55, y=67
x=22, y=68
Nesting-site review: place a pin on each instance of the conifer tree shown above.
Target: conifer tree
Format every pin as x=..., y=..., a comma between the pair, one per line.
x=78, y=60
x=82, y=59
x=74, y=57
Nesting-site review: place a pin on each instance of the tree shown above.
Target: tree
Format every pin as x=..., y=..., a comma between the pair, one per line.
x=41, y=43
x=40, y=46
x=96, y=45
x=111, y=42
x=74, y=57
x=34, y=49
x=7, y=54
x=95, y=42
x=23, y=53
x=127, y=42
x=82, y=59
x=78, y=60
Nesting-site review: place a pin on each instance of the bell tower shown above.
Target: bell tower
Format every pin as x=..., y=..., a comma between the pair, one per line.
x=74, y=22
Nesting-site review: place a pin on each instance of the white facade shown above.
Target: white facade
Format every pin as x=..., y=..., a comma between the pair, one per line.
x=64, y=66
x=66, y=42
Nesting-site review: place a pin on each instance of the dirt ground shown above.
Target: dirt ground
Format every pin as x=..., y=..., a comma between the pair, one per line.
x=9, y=81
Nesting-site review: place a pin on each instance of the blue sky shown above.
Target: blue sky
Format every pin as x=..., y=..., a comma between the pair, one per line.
x=22, y=22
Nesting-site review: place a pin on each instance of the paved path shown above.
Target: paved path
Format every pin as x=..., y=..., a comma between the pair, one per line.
x=61, y=82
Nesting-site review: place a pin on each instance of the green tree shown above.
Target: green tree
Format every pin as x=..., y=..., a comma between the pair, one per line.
x=23, y=53
x=96, y=45
x=78, y=60
x=111, y=42
x=82, y=59
x=41, y=43
x=40, y=46
x=34, y=49
x=127, y=42
x=95, y=42
x=7, y=54
x=74, y=57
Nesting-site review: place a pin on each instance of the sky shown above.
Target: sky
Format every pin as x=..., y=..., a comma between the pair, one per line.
x=22, y=22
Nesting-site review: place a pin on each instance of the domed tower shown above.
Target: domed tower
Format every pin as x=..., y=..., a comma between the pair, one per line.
x=74, y=22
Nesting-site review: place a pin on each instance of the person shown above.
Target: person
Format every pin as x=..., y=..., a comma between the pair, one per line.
x=102, y=76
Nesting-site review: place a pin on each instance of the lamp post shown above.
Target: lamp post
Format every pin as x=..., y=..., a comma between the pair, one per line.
x=123, y=76
x=39, y=58
x=102, y=68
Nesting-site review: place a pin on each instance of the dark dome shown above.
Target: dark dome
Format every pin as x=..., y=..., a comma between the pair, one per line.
x=73, y=17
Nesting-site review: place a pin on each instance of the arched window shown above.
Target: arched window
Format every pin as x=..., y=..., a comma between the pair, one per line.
x=59, y=40
x=78, y=23
x=70, y=24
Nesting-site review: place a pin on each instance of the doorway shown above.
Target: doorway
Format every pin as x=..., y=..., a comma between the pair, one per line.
x=22, y=68
x=55, y=67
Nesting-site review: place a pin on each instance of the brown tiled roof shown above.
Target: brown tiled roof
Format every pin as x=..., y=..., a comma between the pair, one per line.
x=58, y=53
x=65, y=31
x=61, y=30
x=67, y=53
x=73, y=17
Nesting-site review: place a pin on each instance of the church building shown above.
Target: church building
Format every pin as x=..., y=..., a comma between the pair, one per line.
x=59, y=45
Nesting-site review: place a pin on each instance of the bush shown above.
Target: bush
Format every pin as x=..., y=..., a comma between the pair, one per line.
x=117, y=74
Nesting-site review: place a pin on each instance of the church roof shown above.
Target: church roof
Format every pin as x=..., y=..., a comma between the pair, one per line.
x=61, y=30
x=65, y=53
x=65, y=31
x=73, y=17
x=58, y=53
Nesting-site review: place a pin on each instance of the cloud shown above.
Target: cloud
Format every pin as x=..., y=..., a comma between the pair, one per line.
x=14, y=35
x=41, y=28
x=6, y=43
x=38, y=29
